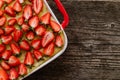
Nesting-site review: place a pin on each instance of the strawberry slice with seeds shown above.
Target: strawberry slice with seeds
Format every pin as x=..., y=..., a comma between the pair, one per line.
x=13, y=75
x=13, y=61
x=3, y=75
x=30, y=35
x=1, y=3
x=24, y=45
x=37, y=6
x=9, y=10
x=4, y=65
x=9, y=29
x=34, y=21
x=55, y=26
x=46, y=18
x=6, y=39
x=22, y=70
x=29, y=59
x=17, y=35
x=17, y=6
x=2, y=20
x=47, y=38
x=2, y=47
x=20, y=20
x=36, y=44
x=6, y=54
x=40, y=30
x=49, y=50
x=15, y=49
x=8, y=1
x=21, y=1
x=37, y=54
x=1, y=31
x=59, y=41
x=25, y=27
x=27, y=13
x=11, y=22
x=1, y=12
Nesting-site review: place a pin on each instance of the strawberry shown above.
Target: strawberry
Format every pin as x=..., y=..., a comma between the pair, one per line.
x=4, y=65
x=11, y=22
x=47, y=38
x=8, y=1
x=59, y=41
x=22, y=70
x=55, y=26
x=37, y=6
x=30, y=35
x=20, y=20
x=2, y=47
x=40, y=30
x=24, y=45
x=6, y=54
x=9, y=10
x=45, y=18
x=17, y=35
x=27, y=13
x=1, y=13
x=9, y=29
x=49, y=50
x=21, y=1
x=36, y=44
x=1, y=3
x=6, y=39
x=25, y=27
x=37, y=54
x=3, y=75
x=29, y=59
x=2, y=20
x=13, y=75
x=13, y=61
x=17, y=7
x=34, y=21
x=1, y=31
x=15, y=49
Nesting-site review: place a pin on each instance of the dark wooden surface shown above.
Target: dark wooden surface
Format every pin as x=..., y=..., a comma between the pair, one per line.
x=93, y=52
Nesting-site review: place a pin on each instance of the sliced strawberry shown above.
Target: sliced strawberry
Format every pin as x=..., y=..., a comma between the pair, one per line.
x=37, y=6
x=29, y=59
x=11, y=22
x=20, y=20
x=17, y=35
x=21, y=1
x=1, y=3
x=59, y=41
x=3, y=75
x=6, y=54
x=22, y=70
x=6, y=39
x=40, y=30
x=4, y=65
x=24, y=45
x=2, y=47
x=1, y=12
x=45, y=18
x=8, y=1
x=13, y=75
x=15, y=49
x=17, y=6
x=37, y=54
x=27, y=13
x=9, y=10
x=47, y=38
x=9, y=29
x=30, y=35
x=2, y=20
x=49, y=50
x=1, y=31
x=34, y=21
x=13, y=61
x=36, y=44
x=25, y=27
x=55, y=26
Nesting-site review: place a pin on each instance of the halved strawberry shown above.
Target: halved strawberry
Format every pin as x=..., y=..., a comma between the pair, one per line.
x=6, y=54
x=59, y=41
x=24, y=45
x=11, y=22
x=21, y=1
x=55, y=26
x=3, y=75
x=34, y=21
x=29, y=59
x=9, y=10
x=1, y=31
x=36, y=44
x=25, y=27
x=22, y=70
x=49, y=50
x=1, y=12
x=47, y=38
x=17, y=6
x=30, y=35
x=27, y=13
x=9, y=29
x=37, y=54
x=6, y=39
x=46, y=18
x=40, y=30
x=15, y=49
x=1, y=3
x=20, y=20
x=37, y=6
x=2, y=20
x=13, y=61
x=4, y=65
x=2, y=47
x=17, y=35
x=8, y=1
x=13, y=75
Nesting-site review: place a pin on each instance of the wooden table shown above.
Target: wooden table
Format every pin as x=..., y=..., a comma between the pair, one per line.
x=93, y=52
